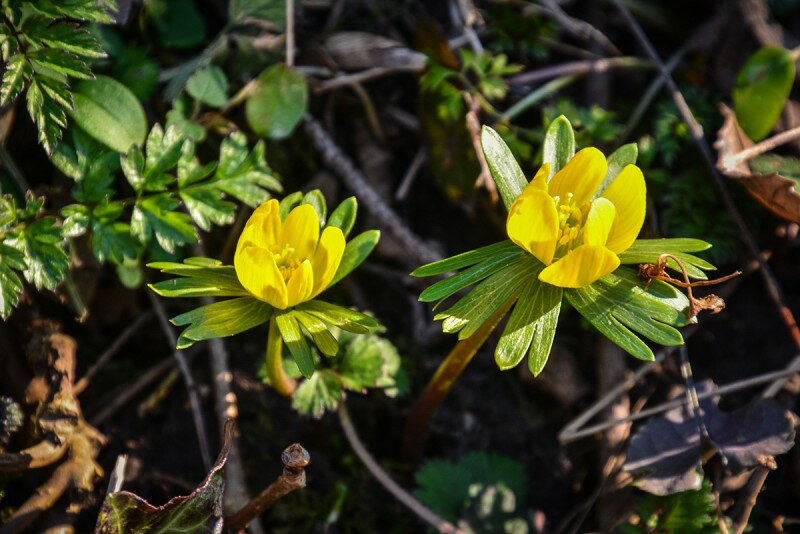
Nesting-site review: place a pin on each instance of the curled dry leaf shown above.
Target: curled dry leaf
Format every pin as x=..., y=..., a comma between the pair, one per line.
x=362, y=50
x=775, y=192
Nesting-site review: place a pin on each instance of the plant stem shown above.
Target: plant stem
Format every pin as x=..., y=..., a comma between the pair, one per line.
x=277, y=376
x=416, y=429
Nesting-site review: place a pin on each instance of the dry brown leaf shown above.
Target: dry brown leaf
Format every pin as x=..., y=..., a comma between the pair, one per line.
x=773, y=191
x=362, y=50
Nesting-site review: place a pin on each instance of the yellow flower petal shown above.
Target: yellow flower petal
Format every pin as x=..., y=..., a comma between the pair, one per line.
x=598, y=222
x=580, y=267
x=581, y=176
x=628, y=193
x=533, y=222
x=263, y=227
x=258, y=273
x=327, y=258
x=301, y=231
x=540, y=180
x=300, y=284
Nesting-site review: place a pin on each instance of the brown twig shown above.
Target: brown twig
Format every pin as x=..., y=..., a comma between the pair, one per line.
x=753, y=489
x=580, y=28
x=588, y=66
x=188, y=379
x=474, y=129
x=295, y=459
x=344, y=167
x=419, y=509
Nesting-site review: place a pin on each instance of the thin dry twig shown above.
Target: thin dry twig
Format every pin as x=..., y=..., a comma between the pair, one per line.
x=580, y=28
x=344, y=167
x=588, y=66
x=419, y=509
x=411, y=174
x=188, y=379
x=290, y=33
x=474, y=128
x=295, y=460
x=764, y=146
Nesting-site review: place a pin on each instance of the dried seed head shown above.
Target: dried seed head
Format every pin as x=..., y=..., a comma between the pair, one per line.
x=295, y=456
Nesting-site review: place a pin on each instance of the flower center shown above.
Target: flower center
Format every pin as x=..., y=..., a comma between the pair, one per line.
x=571, y=217
x=285, y=259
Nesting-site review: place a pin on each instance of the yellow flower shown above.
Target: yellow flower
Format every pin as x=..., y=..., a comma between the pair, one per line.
x=287, y=263
x=575, y=236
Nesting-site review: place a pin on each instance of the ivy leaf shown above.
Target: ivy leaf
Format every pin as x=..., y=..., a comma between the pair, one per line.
x=221, y=319
x=199, y=512
x=157, y=216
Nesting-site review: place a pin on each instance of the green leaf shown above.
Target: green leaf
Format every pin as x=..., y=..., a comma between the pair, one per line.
x=617, y=304
x=344, y=216
x=534, y=321
x=648, y=251
x=198, y=277
x=46, y=263
x=208, y=207
x=319, y=332
x=18, y=71
x=209, y=85
x=178, y=23
x=290, y=202
x=62, y=62
x=618, y=160
x=242, y=175
x=221, y=319
x=112, y=241
x=77, y=218
x=323, y=391
x=559, y=144
x=278, y=103
x=355, y=252
x=465, y=259
x=156, y=216
x=449, y=286
x=507, y=175
x=368, y=362
x=47, y=114
x=72, y=38
x=296, y=342
x=317, y=201
x=469, y=313
x=109, y=112
x=10, y=283
x=344, y=318
x=761, y=90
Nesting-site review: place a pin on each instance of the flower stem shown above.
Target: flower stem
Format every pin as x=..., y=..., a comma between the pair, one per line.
x=277, y=376
x=416, y=428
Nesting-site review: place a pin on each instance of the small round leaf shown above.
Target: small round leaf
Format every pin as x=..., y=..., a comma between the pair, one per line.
x=278, y=103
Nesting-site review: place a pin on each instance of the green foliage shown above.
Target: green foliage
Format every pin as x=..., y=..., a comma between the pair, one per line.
x=44, y=44
x=509, y=36
x=690, y=512
x=278, y=103
x=593, y=125
x=481, y=493
x=177, y=23
x=31, y=248
x=761, y=90
x=363, y=362
x=209, y=86
x=480, y=74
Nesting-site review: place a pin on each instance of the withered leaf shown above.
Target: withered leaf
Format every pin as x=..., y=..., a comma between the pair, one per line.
x=775, y=192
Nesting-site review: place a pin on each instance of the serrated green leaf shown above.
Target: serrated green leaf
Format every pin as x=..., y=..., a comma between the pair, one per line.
x=296, y=342
x=648, y=251
x=469, y=313
x=208, y=207
x=109, y=112
x=112, y=241
x=761, y=90
x=361, y=366
x=132, y=165
x=73, y=38
x=246, y=177
x=465, y=259
x=163, y=152
x=46, y=263
x=319, y=332
x=532, y=325
x=10, y=282
x=344, y=216
x=559, y=144
x=76, y=220
x=323, y=391
x=61, y=61
x=48, y=116
x=449, y=286
x=355, y=252
x=278, y=103
x=221, y=319
x=209, y=86
x=317, y=201
x=18, y=71
x=507, y=175
x=344, y=318
x=157, y=216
